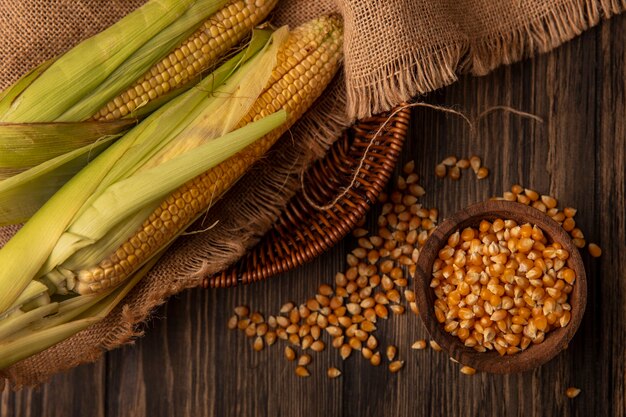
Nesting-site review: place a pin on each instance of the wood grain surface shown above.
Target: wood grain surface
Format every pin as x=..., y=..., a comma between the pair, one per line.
x=189, y=364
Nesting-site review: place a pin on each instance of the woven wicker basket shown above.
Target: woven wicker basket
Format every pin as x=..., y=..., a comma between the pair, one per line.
x=303, y=232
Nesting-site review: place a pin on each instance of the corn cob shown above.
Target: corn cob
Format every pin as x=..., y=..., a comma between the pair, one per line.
x=107, y=201
x=306, y=63
x=196, y=54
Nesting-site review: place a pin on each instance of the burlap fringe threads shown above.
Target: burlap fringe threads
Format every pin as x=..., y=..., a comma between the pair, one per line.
x=419, y=71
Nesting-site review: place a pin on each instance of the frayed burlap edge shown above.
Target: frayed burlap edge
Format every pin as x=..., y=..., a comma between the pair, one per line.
x=539, y=36
x=379, y=92
x=408, y=77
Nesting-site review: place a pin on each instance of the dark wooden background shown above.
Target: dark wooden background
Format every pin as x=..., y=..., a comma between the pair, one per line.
x=190, y=364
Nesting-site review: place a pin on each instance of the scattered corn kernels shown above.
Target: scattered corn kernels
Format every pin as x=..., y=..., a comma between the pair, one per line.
x=572, y=392
x=482, y=173
x=475, y=163
x=435, y=346
x=419, y=345
x=376, y=276
x=595, y=250
x=468, y=370
x=371, y=286
x=440, y=171
x=451, y=166
x=302, y=372
x=395, y=366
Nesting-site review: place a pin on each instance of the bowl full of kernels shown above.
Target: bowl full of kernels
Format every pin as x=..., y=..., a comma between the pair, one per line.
x=501, y=287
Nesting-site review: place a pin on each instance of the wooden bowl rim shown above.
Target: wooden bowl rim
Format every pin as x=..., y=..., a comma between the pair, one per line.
x=555, y=341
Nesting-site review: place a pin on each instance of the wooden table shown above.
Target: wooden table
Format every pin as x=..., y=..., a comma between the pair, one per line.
x=190, y=364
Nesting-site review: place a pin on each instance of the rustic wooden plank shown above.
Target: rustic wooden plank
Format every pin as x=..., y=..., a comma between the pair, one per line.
x=188, y=363
x=81, y=391
x=609, y=224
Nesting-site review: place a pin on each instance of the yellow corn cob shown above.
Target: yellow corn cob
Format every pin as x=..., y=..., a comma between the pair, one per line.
x=305, y=64
x=217, y=34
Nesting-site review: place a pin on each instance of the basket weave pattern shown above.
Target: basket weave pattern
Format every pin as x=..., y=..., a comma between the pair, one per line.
x=303, y=232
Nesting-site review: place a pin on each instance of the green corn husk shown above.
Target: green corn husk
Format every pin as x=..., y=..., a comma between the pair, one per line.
x=23, y=194
x=29, y=333
x=26, y=145
x=121, y=182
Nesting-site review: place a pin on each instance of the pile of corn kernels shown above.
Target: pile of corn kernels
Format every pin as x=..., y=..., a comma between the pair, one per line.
x=501, y=286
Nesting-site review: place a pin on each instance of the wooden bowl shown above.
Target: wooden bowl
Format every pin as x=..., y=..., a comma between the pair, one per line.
x=535, y=355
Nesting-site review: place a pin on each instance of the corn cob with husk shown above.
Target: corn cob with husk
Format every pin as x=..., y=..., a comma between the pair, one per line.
x=97, y=78
x=124, y=209
x=38, y=318
x=306, y=63
x=215, y=37
x=99, y=88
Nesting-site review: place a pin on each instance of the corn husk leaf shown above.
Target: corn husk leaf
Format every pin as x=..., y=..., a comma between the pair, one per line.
x=26, y=145
x=14, y=324
x=10, y=93
x=23, y=194
x=34, y=290
x=35, y=342
x=46, y=326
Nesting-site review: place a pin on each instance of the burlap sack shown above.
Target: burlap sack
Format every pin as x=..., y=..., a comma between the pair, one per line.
x=394, y=51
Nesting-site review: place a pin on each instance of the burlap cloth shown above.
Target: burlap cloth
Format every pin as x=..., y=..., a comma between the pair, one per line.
x=395, y=50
